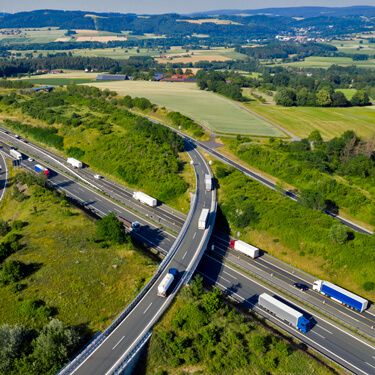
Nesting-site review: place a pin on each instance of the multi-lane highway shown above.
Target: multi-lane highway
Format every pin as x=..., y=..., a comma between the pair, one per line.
x=354, y=355
x=3, y=175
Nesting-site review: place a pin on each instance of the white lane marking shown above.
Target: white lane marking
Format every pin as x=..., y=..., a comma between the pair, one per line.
x=223, y=278
x=316, y=333
x=368, y=312
x=118, y=343
x=184, y=255
x=144, y=312
x=324, y=329
x=229, y=274
x=370, y=364
x=116, y=209
x=194, y=235
x=288, y=326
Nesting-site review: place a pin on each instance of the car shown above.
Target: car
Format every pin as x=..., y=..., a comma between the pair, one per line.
x=30, y=160
x=301, y=286
x=98, y=176
x=173, y=271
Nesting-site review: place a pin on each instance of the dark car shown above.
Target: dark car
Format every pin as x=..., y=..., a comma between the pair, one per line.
x=301, y=286
x=173, y=271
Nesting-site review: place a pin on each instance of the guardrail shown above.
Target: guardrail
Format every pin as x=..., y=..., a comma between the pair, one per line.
x=86, y=352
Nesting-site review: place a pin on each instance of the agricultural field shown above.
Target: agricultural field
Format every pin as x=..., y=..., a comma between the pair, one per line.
x=348, y=93
x=355, y=46
x=37, y=35
x=85, y=282
x=212, y=111
x=326, y=62
x=331, y=122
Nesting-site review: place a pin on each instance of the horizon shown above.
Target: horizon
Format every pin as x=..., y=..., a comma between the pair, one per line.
x=147, y=8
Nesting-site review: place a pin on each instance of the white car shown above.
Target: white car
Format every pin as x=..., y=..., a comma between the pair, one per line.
x=30, y=160
x=98, y=176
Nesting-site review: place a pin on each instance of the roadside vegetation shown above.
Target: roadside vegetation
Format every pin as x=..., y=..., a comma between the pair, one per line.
x=62, y=277
x=89, y=122
x=339, y=173
x=299, y=235
x=201, y=334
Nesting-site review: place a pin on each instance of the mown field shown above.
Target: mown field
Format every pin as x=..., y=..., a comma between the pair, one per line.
x=210, y=110
x=355, y=46
x=331, y=122
x=59, y=81
x=34, y=35
x=326, y=62
x=85, y=283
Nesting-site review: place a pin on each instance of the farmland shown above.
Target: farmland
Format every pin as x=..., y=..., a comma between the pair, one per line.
x=215, y=112
x=331, y=122
x=360, y=46
x=326, y=62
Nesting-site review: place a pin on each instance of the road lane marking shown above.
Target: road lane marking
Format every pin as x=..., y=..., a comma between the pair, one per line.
x=118, y=343
x=194, y=235
x=324, y=329
x=184, y=255
x=144, y=312
x=370, y=364
x=316, y=333
x=223, y=278
x=227, y=273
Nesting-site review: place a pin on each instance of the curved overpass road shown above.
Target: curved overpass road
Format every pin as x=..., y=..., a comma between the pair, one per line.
x=3, y=176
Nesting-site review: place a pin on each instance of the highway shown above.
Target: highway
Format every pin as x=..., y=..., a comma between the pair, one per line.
x=363, y=358
x=3, y=176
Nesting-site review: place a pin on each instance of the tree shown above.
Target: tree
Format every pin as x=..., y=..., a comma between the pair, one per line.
x=12, y=272
x=13, y=342
x=323, y=98
x=52, y=347
x=211, y=301
x=312, y=199
x=109, y=228
x=315, y=137
x=339, y=100
x=285, y=97
x=338, y=234
x=360, y=98
x=4, y=227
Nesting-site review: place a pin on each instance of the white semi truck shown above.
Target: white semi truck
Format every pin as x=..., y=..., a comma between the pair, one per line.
x=202, y=221
x=167, y=282
x=15, y=154
x=208, y=182
x=144, y=198
x=75, y=163
x=244, y=248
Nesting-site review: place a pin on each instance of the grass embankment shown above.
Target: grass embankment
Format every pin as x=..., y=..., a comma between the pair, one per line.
x=86, y=284
x=210, y=110
x=200, y=334
x=330, y=122
x=299, y=236
x=86, y=124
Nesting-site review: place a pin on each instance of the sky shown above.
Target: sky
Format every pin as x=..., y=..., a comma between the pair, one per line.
x=164, y=6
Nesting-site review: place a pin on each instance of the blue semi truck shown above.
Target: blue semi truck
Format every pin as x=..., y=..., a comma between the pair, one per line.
x=340, y=295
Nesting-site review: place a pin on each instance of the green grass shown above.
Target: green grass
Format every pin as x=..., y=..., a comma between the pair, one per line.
x=348, y=92
x=331, y=122
x=87, y=284
x=37, y=35
x=59, y=81
x=326, y=62
x=215, y=112
x=354, y=46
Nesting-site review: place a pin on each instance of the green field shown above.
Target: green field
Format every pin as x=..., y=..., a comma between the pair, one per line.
x=215, y=112
x=348, y=93
x=331, y=122
x=34, y=35
x=354, y=46
x=88, y=284
x=59, y=81
x=326, y=62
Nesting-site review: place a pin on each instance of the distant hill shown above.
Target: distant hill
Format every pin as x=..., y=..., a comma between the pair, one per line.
x=305, y=12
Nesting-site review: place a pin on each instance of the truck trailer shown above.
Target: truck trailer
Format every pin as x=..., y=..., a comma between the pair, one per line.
x=202, y=221
x=340, y=295
x=74, y=163
x=15, y=154
x=284, y=312
x=40, y=169
x=144, y=198
x=244, y=248
x=130, y=226
x=208, y=182
x=167, y=282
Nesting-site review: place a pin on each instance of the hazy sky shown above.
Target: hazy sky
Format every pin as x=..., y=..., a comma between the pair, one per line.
x=163, y=6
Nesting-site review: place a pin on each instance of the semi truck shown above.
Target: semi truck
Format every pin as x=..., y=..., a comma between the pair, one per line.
x=167, y=282
x=340, y=295
x=284, y=312
x=208, y=182
x=15, y=154
x=144, y=198
x=202, y=221
x=74, y=163
x=130, y=226
x=40, y=169
x=244, y=248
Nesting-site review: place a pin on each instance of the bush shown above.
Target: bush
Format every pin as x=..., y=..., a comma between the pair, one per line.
x=109, y=228
x=4, y=227
x=12, y=272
